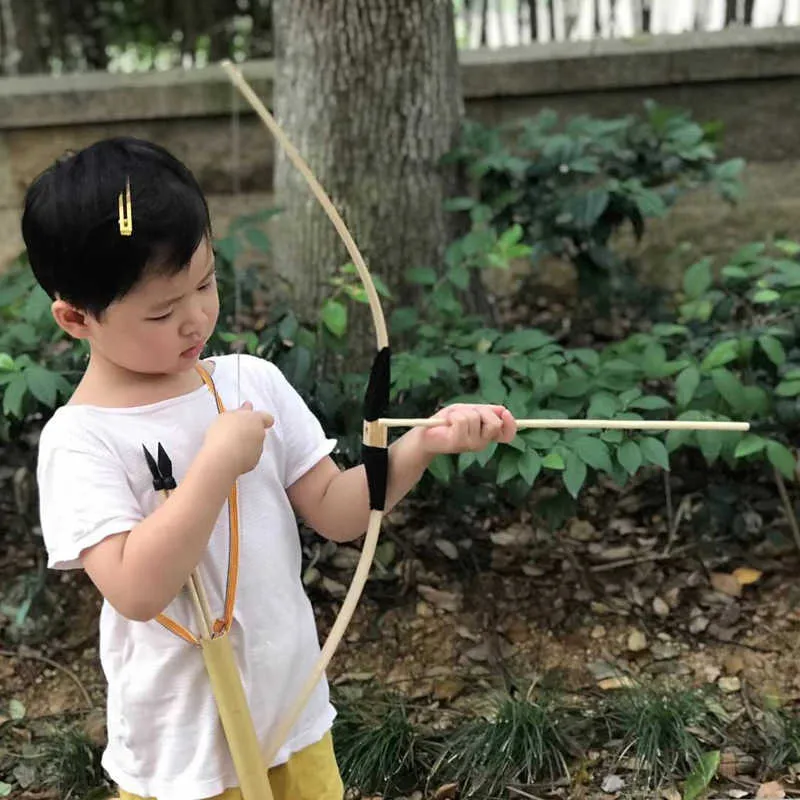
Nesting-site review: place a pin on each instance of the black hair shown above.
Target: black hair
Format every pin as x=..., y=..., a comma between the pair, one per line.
x=71, y=229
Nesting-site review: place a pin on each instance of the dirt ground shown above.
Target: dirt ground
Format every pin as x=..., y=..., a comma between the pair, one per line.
x=465, y=607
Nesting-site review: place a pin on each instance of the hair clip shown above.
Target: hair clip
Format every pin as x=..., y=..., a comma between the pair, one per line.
x=126, y=211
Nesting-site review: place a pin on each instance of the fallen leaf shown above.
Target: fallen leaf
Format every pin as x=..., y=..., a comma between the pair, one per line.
x=770, y=791
x=726, y=584
x=446, y=601
x=729, y=685
x=747, y=575
x=479, y=653
x=448, y=548
x=613, y=784
x=621, y=682
x=660, y=607
x=670, y=794
x=582, y=530
x=637, y=641
x=446, y=792
x=734, y=664
x=448, y=689
x=334, y=588
x=698, y=624
x=16, y=709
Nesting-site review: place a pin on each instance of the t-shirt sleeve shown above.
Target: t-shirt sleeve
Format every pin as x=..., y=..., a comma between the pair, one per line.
x=84, y=497
x=303, y=440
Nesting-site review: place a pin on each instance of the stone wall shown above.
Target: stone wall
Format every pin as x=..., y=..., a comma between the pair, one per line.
x=748, y=79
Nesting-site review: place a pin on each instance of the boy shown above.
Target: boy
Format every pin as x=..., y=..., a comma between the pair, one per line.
x=141, y=291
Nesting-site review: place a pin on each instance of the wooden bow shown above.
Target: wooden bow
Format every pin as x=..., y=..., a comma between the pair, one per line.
x=376, y=425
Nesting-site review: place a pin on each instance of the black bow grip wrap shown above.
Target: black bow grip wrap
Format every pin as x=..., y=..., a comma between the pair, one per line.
x=376, y=403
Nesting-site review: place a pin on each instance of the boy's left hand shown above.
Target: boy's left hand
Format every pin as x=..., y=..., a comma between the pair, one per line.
x=470, y=428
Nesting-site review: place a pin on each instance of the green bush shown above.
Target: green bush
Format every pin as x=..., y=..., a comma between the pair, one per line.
x=572, y=187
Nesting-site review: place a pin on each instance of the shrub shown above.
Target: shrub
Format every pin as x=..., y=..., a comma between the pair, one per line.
x=571, y=187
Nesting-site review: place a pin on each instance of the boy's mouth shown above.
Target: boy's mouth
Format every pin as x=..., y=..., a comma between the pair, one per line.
x=193, y=352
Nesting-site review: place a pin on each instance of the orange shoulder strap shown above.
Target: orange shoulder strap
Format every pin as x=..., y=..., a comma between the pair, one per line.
x=223, y=624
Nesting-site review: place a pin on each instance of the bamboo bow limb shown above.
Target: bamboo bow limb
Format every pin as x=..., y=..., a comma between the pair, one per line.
x=382, y=339
x=590, y=424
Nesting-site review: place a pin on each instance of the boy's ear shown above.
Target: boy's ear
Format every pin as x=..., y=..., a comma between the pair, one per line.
x=70, y=319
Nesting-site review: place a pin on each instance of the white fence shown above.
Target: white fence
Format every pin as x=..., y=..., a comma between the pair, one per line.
x=499, y=23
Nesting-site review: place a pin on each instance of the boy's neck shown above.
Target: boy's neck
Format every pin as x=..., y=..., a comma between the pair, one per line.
x=109, y=385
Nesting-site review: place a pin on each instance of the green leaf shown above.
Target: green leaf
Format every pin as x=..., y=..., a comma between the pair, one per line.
x=603, y=405
x=458, y=276
x=722, y=354
x=465, y=461
x=749, y=445
x=508, y=467
x=711, y=443
x=655, y=452
x=43, y=384
x=5, y=789
x=459, y=203
x=702, y=775
x=523, y=340
x=573, y=387
x=588, y=208
x=729, y=387
x=773, y=348
x=422, y=276
x=6, y=362
x=404, y=319
x=630, y=456
x=766, y=296
x=541, y=439
x=334, y=317
x=530, y=466
x=258, y=239
x=650, y=403
x=486, y=455
x=788, y=389
x=14, y=395
x=677, y=439
x=553, y=461
x=697, y=279
x=686, y=385
x=574, y=474
x=442, y=468
x=782, y=459
x=593, y=452
x=489, y=368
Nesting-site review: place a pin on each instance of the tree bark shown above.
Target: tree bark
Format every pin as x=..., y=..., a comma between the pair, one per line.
x=368, y=90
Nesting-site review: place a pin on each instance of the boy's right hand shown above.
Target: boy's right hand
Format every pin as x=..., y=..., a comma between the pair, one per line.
x=236, y=438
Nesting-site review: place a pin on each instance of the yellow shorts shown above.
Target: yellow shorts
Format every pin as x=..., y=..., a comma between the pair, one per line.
x=311, y=774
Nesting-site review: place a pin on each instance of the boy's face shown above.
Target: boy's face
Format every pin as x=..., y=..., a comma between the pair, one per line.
x=162, y=325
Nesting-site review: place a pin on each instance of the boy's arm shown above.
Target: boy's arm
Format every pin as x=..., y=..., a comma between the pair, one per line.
x=140, y=571
x=335, y=503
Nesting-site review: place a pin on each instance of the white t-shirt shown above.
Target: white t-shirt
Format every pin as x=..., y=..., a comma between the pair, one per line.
x=164, y=737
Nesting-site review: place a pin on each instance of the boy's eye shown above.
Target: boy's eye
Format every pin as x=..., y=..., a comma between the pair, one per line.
x=162, y=317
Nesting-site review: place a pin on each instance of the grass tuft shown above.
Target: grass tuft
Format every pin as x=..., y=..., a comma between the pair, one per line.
x=72, y=764
x=665, y=732
x=524, y=742
x=377, y=746
x=782, y=733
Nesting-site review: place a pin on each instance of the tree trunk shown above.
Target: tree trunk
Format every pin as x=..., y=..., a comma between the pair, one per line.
x=368, y=91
